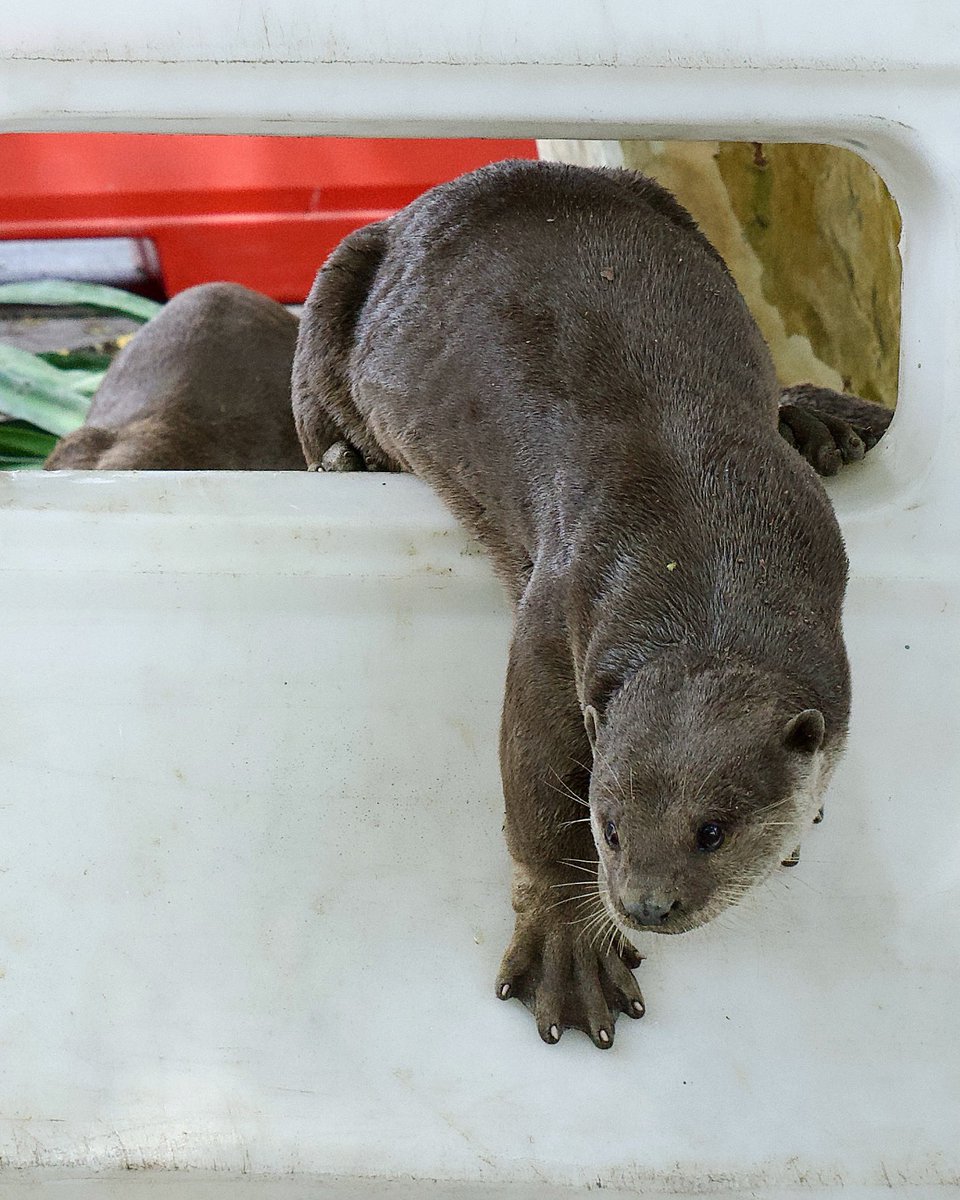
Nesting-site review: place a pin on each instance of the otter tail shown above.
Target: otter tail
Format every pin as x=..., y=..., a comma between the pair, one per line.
x=323, y=405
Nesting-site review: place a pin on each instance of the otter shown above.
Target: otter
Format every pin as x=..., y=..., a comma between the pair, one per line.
x=203, y=386
x=561, y=354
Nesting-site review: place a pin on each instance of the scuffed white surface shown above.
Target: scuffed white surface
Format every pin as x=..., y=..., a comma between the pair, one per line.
x=200, y=1185
x=253, y=891
x=748, y=33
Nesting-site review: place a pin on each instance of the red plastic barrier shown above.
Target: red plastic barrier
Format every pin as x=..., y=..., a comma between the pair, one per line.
x=260, y=211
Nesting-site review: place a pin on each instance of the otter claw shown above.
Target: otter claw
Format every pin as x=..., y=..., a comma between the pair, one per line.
x=567, y=982
x=792, y=860
x=819, y=817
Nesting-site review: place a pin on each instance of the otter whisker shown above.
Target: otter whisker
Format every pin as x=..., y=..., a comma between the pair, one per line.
x=735, y=890
x=592, y=931
x=566, y=790
x=595, y=912
x=585, y=870
x=585, y=931
x=605, y=792
x=578, y=821
x=597, y=916
x=601, y=923
x=772, y=805
x=616, y=778
x=806, y=883
x=601, y=941
x=601, y=935
x=568, y=899
x=579, y=897
x=741, y=885
x=608, y=944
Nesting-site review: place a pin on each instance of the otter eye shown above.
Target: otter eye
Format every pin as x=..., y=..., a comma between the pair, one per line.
x=610, y=833
x=710, y=837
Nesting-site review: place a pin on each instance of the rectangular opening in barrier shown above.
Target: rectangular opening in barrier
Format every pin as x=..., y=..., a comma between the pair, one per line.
x=809, y=232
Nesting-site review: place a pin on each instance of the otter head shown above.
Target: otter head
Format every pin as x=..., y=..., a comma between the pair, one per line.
x=703, y=782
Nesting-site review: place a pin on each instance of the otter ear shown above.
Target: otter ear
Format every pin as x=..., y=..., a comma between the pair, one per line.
x=591, y=722
x=804, y=732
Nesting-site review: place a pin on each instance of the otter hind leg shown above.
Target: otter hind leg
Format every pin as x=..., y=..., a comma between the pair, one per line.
x=322, y=389
x=830, y=428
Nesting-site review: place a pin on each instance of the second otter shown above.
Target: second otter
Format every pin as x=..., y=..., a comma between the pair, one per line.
x=564, y=357
x=204, y=386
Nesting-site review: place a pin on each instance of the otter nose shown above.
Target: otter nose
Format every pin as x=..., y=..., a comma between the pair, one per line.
x=650, y=912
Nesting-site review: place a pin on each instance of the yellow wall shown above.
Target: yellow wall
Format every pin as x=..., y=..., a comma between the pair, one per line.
x=811, y=235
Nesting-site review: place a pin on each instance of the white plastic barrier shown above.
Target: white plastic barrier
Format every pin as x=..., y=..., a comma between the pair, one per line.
x=252, y=887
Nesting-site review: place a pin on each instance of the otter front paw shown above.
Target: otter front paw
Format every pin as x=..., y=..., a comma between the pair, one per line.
x=570, y=979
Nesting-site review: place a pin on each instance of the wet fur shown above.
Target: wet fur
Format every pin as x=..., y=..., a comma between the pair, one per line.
x=563, y=356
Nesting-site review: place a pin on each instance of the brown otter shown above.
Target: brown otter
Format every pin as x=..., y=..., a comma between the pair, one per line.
x=203, y=386
x=563, y=356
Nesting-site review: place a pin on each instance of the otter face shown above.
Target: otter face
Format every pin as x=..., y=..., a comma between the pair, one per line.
x=691, y=809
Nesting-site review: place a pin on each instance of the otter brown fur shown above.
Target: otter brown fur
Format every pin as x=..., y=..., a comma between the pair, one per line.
x=205, y=385
x=563, y=356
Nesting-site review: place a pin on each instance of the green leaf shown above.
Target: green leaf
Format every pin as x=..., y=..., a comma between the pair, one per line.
x=33, y=391
x=20, y=440
x=96, y=295
x=81, y=359
x=84, y=382
x=20, y=464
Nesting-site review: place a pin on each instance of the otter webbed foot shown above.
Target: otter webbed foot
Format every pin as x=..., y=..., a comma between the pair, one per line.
x=830, y=428
x=571, y=976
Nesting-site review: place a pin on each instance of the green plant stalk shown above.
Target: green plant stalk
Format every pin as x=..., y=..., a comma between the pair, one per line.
x=9, y=463
x=62, y=292
x=20, y=440
x=33, y=391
